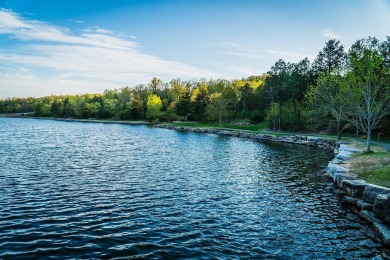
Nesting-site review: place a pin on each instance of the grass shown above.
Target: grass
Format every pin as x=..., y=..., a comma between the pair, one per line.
x=255, y=127
x=373, y=167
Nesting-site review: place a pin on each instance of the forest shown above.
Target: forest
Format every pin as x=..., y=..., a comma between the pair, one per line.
x=340, y=90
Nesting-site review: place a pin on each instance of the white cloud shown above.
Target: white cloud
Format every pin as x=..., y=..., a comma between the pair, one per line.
x=244, y=54
x=291, y=56
x=330, y=34
x=76, y=21
x=52, y=60
x=97, y=30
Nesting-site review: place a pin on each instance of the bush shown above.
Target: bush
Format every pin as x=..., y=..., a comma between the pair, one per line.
x=256, y=118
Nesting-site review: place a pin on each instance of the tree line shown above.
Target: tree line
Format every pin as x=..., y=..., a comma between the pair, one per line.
x=340, y=89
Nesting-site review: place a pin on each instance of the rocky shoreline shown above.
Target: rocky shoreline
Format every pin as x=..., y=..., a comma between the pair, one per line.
x=370, y=202
x=328, y=145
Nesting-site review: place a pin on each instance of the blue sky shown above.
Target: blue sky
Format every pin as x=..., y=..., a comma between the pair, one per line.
x=73, y=47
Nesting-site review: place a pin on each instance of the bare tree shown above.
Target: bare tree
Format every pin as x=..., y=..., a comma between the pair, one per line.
x=369, y=99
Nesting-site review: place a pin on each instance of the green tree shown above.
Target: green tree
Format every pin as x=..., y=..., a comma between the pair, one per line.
x=183, y=106
x=370, y=90
x=92, y=109
x=153, y=107
x=329, y=96
x=137, y=108
x=218, y=107
x=200, y=102
x=330, y=58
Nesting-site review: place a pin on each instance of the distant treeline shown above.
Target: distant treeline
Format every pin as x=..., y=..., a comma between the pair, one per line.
x=340, y=88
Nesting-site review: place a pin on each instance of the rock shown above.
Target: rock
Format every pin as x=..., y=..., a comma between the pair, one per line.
x=382, y=206
x=339, y=177
x=369, y=216
x=333, y=168
x=340, y=193
x=337, y=161
x=313, y=138
x=383, y=232
x=354, y=188
x=350, y=200
x=344, y=155
x=361, y=204
x=372, y=191
x=347, y=148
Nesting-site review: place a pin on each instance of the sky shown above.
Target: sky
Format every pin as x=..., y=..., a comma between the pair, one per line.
x=86, y=46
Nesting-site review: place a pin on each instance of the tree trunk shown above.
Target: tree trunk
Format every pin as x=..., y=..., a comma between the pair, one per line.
x=280, y=117
x=338, y=131
x=368, y=149
x=220, y=121
x=296, y=114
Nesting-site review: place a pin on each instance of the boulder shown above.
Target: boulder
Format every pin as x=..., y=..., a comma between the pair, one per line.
x=354, y=188
x=372, y=191
x=339, y=177
x=340, y=193
x=350, y=200
x=347, y=148
x=334, y=168
x=382, y=206
x=343, y=155
x=337, y=161
x=383, y=232
x=369, y=216
x=361, y=204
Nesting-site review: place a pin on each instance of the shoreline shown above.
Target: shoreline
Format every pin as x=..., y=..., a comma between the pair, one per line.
x=370, y=202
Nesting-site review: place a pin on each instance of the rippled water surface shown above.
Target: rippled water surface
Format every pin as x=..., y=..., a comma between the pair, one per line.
x=82, y=190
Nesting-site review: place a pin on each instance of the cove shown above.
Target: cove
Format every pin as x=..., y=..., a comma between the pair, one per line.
x=78, y=190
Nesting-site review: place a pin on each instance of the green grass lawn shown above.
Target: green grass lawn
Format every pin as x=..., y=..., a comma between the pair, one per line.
x=373, y=168
x=254, y=127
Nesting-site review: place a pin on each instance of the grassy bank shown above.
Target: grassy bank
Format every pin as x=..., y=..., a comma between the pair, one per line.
x=238, y=126
x=371, y=167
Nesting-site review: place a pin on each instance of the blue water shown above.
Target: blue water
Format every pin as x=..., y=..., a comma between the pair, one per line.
x=88, y=190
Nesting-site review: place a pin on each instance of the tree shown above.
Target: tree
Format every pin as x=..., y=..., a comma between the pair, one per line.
x=153, y=107
x=156, y=85
x=277, y=87
x=330, y=58
x=329, y=96
x=298, y=83
x=370, y=91
x=137, y=108
x=218, y=107
x=201, y=101
x=183, y=106
x=92, y=109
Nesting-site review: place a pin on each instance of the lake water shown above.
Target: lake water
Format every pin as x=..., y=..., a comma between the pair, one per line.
x=89, y=190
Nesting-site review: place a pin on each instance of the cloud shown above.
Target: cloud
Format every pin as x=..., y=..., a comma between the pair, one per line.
x=292, y=56
x=97, y=30
x=330, y=34
x=76, y=21
x=54, y=60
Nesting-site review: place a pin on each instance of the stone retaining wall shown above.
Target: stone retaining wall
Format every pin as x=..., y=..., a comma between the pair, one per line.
x=329, y=145
x=371, y=201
